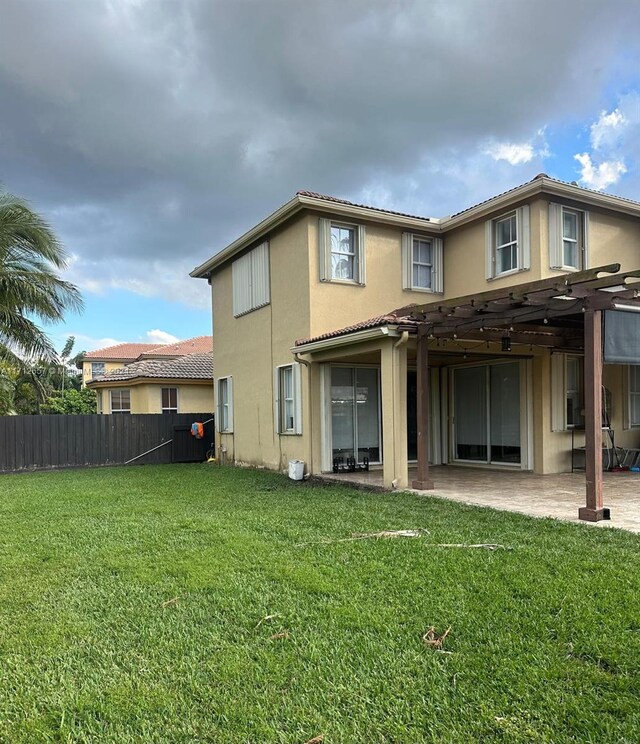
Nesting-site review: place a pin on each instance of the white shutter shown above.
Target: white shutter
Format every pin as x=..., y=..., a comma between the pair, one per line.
x=488, y=249
x=558, y=392
x=218, y=421
x=230, y=395
x=241, y=270
x=260, y=294
x=585, y=251
x=437, y=278
x=362, y=249
x=524, y=238
x=276, y=400
x=407, y=260
x=297, y=398
x=324, y=248
x=556, y=258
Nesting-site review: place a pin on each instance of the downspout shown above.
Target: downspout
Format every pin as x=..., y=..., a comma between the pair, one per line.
x=307, y=364
x=402, y=340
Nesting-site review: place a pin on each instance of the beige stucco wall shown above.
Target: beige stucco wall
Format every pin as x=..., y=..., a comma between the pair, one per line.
x=249, y=348
x=147, y=397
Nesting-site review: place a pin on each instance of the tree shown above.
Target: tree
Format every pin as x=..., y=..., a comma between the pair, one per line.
x=71, y=401
x=30, y=255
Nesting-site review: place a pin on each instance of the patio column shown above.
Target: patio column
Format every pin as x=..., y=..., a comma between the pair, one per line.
x=423, y=480
x=594, y=510
x=393, y=369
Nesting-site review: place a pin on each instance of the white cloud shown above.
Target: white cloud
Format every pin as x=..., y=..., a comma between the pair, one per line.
x=607, y=129
x=156, y=336
x=88, y=343
x=515, y=154
x=601, y=175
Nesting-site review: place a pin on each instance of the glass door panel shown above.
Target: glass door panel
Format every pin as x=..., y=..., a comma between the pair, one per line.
x=342, y=412
x=355, y=413
x=504, y=420
x=470, y=406
x=367, y=414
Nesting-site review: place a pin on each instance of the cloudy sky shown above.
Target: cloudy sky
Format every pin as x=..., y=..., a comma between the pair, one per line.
x=153, y=133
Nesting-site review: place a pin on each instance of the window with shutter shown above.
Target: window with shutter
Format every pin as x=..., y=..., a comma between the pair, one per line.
x=507, y=243
x=288, y=394
x=341, y=248
x=251, y=286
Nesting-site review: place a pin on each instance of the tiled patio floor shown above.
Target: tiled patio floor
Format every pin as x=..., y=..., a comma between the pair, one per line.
x=557, y=496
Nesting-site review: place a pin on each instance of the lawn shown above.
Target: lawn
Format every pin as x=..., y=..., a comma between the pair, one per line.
x=176, y=604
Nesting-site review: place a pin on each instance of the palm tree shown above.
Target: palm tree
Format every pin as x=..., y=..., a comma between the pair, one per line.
x=30, y=288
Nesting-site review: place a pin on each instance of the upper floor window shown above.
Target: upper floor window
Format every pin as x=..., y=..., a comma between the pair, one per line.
x=507, y=243
x=568, y=236
x=97, y=368
x=342, y=251
x=170, y=400
x=120, y=401
x=224, y=399
x=421, y=263
x=251, y=280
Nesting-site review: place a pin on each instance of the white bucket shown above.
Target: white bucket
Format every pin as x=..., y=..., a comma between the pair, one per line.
x=296, y=469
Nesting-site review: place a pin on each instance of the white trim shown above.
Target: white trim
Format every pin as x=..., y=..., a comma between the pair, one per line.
x=556, y=237
x=296, y=390
x=170, y=387
x=219, y=405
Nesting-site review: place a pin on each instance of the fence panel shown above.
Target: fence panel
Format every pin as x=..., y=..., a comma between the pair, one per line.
x=37, y=442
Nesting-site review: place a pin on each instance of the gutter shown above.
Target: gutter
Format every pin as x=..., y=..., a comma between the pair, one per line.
x=367, y=334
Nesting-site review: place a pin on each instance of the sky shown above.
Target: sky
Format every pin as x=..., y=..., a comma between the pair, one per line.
x=151, y=134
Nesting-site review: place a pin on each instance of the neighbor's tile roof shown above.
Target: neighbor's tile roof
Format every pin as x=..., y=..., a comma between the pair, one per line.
x=120, y=351
x=190, y=367
x=196, y=345
x=335, y=200
x=395, y=317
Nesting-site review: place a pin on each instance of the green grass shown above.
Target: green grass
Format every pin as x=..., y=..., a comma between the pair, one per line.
x=544, y=643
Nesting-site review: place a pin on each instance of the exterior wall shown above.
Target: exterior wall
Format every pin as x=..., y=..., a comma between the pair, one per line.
x=339, y=304
x=147, y=398
x=250, y=347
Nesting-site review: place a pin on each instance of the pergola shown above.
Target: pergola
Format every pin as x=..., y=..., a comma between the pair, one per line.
x=562, y=313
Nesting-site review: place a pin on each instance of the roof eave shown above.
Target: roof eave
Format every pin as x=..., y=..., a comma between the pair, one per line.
x=345, y=339
x=298, y=203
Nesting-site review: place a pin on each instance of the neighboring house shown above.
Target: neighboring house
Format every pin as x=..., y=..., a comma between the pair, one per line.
x=171, y=385
x=312, y=364
x=100, y=361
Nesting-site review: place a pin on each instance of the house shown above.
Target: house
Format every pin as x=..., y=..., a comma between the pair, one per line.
x=171, y=385
x=151, y=378
x=327, y=312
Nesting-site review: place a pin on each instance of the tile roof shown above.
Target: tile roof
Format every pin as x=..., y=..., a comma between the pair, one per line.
x=120, y=351
x=395, y=317
x=196, y=345
x=538, y=178
x=335, y=200
x=189, y=367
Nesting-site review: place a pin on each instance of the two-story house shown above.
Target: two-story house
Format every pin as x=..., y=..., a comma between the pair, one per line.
x=313, y=363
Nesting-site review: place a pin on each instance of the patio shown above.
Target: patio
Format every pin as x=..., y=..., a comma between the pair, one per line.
x=558, y=496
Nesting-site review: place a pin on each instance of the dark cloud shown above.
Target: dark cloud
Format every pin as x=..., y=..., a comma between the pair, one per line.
x=157, y=131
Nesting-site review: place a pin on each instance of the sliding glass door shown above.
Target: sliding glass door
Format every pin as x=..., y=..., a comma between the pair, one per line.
x=486, y=400
x=355, y=413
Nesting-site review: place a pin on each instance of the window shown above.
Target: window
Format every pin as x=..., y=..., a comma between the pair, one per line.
x=507, y=243
x=98, y=401
x=634, y=395
x=567, y=392
x=421, y=263
x=342, y=252
x=224, y=422
x=568, y=233
x=170, y=400
x=251, y=281
x=288, y=409
x=120, y=401
x=97, y=368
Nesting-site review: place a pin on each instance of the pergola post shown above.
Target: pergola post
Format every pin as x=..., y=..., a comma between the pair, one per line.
x=423, y=481
x=594, y=510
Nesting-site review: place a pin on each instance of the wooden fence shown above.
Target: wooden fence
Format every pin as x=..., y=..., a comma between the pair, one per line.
x=35, y=442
